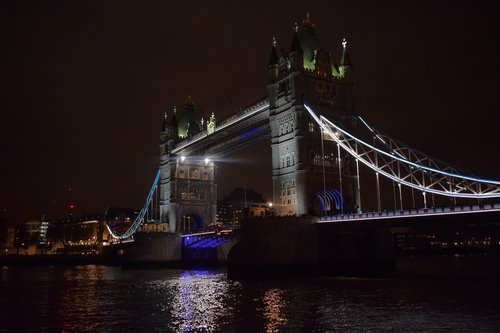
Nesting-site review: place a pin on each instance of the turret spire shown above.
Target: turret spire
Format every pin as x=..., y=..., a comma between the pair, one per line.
x=273, y=58
x=346, y=61
x=295, y=40
x=173, y=119
x=164, y=124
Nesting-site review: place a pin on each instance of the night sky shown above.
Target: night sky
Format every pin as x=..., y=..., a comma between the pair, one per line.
x=84, y=85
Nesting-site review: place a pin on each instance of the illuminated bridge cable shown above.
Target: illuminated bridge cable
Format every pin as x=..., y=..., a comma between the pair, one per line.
x=407, y=166
x=139, y=220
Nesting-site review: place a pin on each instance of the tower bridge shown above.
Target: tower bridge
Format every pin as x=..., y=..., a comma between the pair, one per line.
x=318, y=145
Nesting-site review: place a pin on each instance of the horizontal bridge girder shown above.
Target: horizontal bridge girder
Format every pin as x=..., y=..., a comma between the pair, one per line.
x=232, y=128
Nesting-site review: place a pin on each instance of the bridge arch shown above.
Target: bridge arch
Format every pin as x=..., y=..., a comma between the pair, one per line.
x=192, y=222
x=329, y=201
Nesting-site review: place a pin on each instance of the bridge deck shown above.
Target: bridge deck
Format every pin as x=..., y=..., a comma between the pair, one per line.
x=411, y=213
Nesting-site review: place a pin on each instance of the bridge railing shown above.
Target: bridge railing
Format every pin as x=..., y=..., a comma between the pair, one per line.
x=411, y=212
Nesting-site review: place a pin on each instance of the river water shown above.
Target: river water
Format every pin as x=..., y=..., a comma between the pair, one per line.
x=103, y=299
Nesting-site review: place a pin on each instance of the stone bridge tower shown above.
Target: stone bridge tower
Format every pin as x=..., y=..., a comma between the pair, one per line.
x=300, y=172
x=188, y=188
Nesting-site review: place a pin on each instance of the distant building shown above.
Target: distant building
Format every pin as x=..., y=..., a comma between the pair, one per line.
x=83, y=235
x=27, y=237
x=239, y=204
x=7, y=236
x=445, y=238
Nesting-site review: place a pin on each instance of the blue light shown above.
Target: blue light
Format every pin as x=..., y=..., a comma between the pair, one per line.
x=250, y=132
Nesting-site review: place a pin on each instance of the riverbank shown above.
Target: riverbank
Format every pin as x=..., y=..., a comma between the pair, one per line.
x=57, y=260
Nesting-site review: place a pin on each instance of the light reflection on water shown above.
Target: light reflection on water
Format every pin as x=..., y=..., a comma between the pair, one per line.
x=99, y=298
x=199, y=300
x=273, y=310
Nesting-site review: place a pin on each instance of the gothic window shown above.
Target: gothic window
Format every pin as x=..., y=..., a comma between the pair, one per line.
x=317, y=160
x=195, y=174
x=288, y=161
x=311, y=127
x=181, y=173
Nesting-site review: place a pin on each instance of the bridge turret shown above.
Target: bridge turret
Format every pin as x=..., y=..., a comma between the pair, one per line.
x=346, y=88
x=296, y=54
x=273, y=63
x=211, y=124
x=168, y=133
x=345, y=67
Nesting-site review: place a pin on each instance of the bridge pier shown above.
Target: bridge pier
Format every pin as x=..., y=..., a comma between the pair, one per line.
x=299, y=246
x=154, y=249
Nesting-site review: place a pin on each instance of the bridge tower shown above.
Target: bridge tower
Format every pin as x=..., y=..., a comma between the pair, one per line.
x=188, y=188
x=304, y=165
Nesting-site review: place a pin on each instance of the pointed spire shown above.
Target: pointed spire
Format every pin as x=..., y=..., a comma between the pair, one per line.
x=164, y=124
x=273, y=58
x=295, y=41
x=173, y=119
x=346, y=61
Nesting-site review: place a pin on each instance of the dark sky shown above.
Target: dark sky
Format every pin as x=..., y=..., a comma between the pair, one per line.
x=84, y=85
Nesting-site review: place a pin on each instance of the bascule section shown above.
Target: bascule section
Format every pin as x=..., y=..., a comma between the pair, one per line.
x=310, y=174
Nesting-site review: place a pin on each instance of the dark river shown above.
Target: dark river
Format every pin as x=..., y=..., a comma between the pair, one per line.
x=109, y=299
